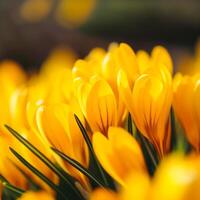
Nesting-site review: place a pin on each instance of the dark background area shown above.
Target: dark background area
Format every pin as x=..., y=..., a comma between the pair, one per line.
x=142, y=23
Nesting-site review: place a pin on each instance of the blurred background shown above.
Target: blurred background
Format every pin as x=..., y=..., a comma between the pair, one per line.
x=30, y=29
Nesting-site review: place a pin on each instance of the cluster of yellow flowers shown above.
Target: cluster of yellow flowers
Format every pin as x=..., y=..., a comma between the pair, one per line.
x=107, y=91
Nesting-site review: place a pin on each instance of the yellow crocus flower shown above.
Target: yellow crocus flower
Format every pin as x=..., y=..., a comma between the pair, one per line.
x=149, y=103
x=58, y=128
x=186, y=103
x=120, y=155
x=96, y=82
x=20, y=123
x=99, y=105
x=31, y=195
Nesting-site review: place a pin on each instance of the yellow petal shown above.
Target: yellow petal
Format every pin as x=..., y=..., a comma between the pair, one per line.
x=177, y=179
x=101, y=108
x=160, y=55
x=137, y=187
x=103, y=194
x=121, y=154
x=30, y=195
x=143, y=60
x=127, y=61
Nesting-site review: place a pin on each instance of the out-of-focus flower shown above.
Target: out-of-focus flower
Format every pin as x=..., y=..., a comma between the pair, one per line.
x=73, y=13
x=186, y=103
x=30, y=195
x=22, y=100
x=11, y=77
x=177, y=178
x=149, y=103
x=120, y=155
x=70, y=13
x=190, y=65
x=35, y=10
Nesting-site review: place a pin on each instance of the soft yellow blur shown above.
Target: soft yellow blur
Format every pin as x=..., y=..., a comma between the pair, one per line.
x=190, y=65
x=35, y=10
x=30, y=195
x=177, y=178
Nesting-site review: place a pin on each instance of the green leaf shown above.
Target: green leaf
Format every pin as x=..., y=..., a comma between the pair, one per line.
x=179, y=140
x=60, y=173
x=37, y=172
x=149, y=153
x=101, y=173
x=78, y=166
x=173, y=131
x=17, y=192
x=31, y=184
x=130, y=127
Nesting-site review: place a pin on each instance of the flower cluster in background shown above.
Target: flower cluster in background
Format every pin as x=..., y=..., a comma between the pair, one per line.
x=116, y=125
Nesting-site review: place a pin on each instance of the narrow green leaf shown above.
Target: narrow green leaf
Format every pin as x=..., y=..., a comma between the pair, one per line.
x=130, y=127
x=90, y=147
x=148, y=152
x=78, y=166
x=61, y=174
x=32, y=184
x=17, y=191
x=173, y=131
x=37, y=172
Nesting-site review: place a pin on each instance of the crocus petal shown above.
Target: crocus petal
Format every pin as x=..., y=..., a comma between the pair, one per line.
x=121, y=154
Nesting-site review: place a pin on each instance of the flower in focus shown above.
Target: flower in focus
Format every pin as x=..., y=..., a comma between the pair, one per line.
x=56, y=124
x=96, y=82
x=190, y=65
x=120, y=155
x=149, y=103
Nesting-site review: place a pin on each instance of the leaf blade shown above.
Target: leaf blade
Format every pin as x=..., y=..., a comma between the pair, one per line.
x=78, y=166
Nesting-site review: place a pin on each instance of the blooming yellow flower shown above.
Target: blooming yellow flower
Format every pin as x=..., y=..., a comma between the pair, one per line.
x=149, y=103
x=187, y=107
x=120, y=155
x=22, y=100
x=58, y=128
x=96, y=82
